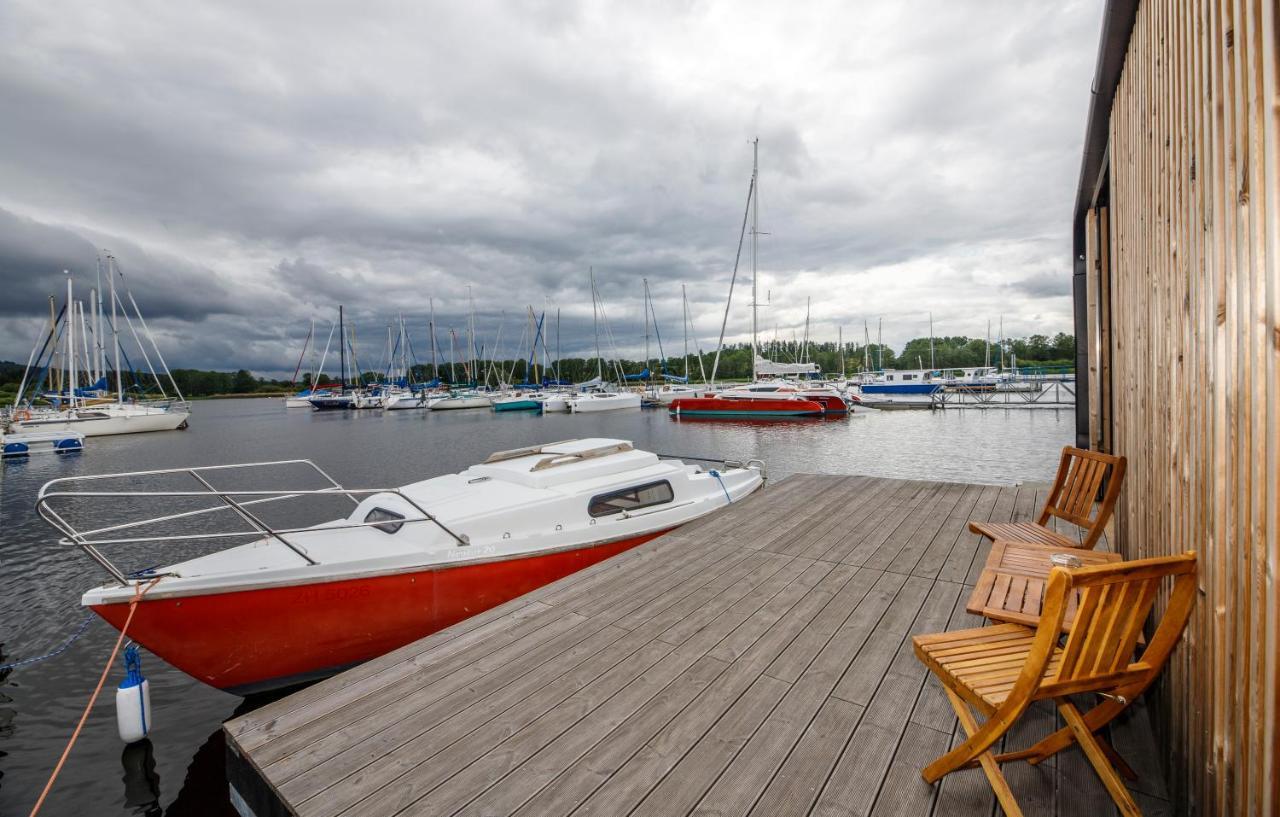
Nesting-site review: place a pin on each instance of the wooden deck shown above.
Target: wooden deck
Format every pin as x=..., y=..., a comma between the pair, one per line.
x=756, y=662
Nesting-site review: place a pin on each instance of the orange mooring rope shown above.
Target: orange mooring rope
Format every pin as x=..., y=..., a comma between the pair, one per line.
x=138, y=592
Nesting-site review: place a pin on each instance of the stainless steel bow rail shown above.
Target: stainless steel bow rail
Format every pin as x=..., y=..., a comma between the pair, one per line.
x=52, y=505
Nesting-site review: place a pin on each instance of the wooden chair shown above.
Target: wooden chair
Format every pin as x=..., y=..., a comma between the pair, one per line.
x=1001, y=670
x=1080, y=475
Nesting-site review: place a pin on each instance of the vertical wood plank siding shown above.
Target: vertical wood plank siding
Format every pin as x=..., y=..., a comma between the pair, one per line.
x=1185, y=278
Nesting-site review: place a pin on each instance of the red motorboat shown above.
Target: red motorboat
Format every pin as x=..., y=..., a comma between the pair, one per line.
x=300, y=602
x=745, y=407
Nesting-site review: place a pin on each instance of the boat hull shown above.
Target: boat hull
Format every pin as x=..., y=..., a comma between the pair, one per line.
x=612, y=402
x=458, y=403
x=517, y=405
x=745, y=407
x=900, y=388
x=253, y=640
x=109, y=424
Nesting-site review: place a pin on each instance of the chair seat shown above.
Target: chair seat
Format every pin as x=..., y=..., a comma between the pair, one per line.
x=1023, y=532
x=982, y=664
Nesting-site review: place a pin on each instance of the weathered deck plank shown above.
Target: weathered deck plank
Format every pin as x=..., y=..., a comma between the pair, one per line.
x=756, y=662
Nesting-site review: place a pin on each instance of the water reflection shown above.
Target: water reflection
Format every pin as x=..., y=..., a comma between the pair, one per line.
x=141, y=783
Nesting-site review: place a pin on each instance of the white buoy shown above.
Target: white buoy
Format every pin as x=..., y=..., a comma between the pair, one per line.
x=133, y=700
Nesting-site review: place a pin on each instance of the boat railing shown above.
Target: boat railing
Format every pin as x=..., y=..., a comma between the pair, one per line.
x=53, y=500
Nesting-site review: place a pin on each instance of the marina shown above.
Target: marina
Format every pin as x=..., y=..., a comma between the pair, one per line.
x=185, y=752
x=427, y=516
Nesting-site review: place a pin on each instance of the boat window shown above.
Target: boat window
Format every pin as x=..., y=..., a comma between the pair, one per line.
x=630, y=499
x=908, y=377
x=384, y=515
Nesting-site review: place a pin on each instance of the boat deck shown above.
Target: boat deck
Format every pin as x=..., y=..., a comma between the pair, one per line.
x=755, y=662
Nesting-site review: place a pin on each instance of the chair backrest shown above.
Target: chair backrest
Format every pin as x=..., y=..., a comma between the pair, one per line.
x=1080, y=475
x=1114, y=602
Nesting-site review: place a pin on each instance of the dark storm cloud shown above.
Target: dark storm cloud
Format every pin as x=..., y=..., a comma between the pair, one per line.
x=33, y=257
x=255, y=166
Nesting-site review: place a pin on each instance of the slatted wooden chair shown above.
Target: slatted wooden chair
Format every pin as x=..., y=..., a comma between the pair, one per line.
x=1001, y=670
x=1080, y=475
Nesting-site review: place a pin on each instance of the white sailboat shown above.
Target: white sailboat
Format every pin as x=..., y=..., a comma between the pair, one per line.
x=602, y=398
x=88, y=409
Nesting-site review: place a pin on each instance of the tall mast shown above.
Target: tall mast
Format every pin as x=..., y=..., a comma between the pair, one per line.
x=755, y=246
x=595, y=320
x=558, y=345
x=115, y=330
x=646, y=328
x=804, y=351
x=880, y=342
x=866, y=346
x=435, y=360
x=986, y=362
x=71, y=344
x=471, y=333
x=1000, y=343
x=684, y=296
x=100, y=359
x=453, y=353
x=840, y=342
x=342, y=351
x=932, y=365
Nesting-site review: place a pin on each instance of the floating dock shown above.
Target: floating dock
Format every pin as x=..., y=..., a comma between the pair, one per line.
x=754, y=662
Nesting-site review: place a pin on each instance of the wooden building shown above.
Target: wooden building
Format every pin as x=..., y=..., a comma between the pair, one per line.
x=1177, y=292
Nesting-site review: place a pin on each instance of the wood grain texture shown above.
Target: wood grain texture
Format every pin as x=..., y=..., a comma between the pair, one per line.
x=722, y=669
x=1186, y=242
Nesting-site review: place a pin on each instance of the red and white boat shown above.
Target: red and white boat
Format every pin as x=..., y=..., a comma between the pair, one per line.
x=298, y=603
x=768, y=398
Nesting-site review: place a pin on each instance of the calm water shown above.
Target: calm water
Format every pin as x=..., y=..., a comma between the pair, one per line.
x=179, y=771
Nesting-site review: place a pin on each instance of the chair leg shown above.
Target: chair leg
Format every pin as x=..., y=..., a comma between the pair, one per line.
x=1094, y=719
x=1098, y=758
x=1035, y=755
x=974, y=748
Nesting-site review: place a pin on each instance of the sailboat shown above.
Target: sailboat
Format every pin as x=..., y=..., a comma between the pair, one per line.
x=302, y=399
x=759, y=398
x=82, y=402
x=600, y=397
x=674, y=386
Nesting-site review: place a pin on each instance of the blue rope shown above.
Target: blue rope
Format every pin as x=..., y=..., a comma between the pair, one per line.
x=716, y=474
x=84, y=625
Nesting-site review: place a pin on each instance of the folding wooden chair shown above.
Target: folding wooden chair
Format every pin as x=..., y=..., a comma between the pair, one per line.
x=1080, y=475
x=1001, y=670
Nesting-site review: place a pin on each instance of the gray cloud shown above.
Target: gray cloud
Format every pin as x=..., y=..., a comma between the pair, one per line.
x=252, y=166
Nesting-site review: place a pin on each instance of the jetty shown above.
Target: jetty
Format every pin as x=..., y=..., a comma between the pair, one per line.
x=757, y=661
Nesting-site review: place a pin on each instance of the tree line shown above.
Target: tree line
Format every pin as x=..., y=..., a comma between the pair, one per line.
x=948, y=352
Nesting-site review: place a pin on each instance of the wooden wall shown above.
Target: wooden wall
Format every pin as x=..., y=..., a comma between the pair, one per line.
x=1184, y=279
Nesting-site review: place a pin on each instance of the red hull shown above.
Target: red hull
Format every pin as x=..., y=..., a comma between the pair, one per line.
x=831, y=404
x=253, y=640
x=745, y=407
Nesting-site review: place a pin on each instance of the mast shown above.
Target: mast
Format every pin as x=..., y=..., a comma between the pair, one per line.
x=986, y=362
x=1000, y=343
x=932, y=365
x=71, y=344
x=880, y=342
x=646, y=329
x=840, y=336
x=100, y=359
x=684, y=296
x=342, y=351
x=115, y=332
x=866, y=346
x=804, y=351
x=471, y=335
x=558, y=345
x=453, y=353
x=755, y=246
x=595, y=320
x=302, y=354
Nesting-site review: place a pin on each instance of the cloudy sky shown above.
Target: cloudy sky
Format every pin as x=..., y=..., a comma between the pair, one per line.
x=253, y=165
